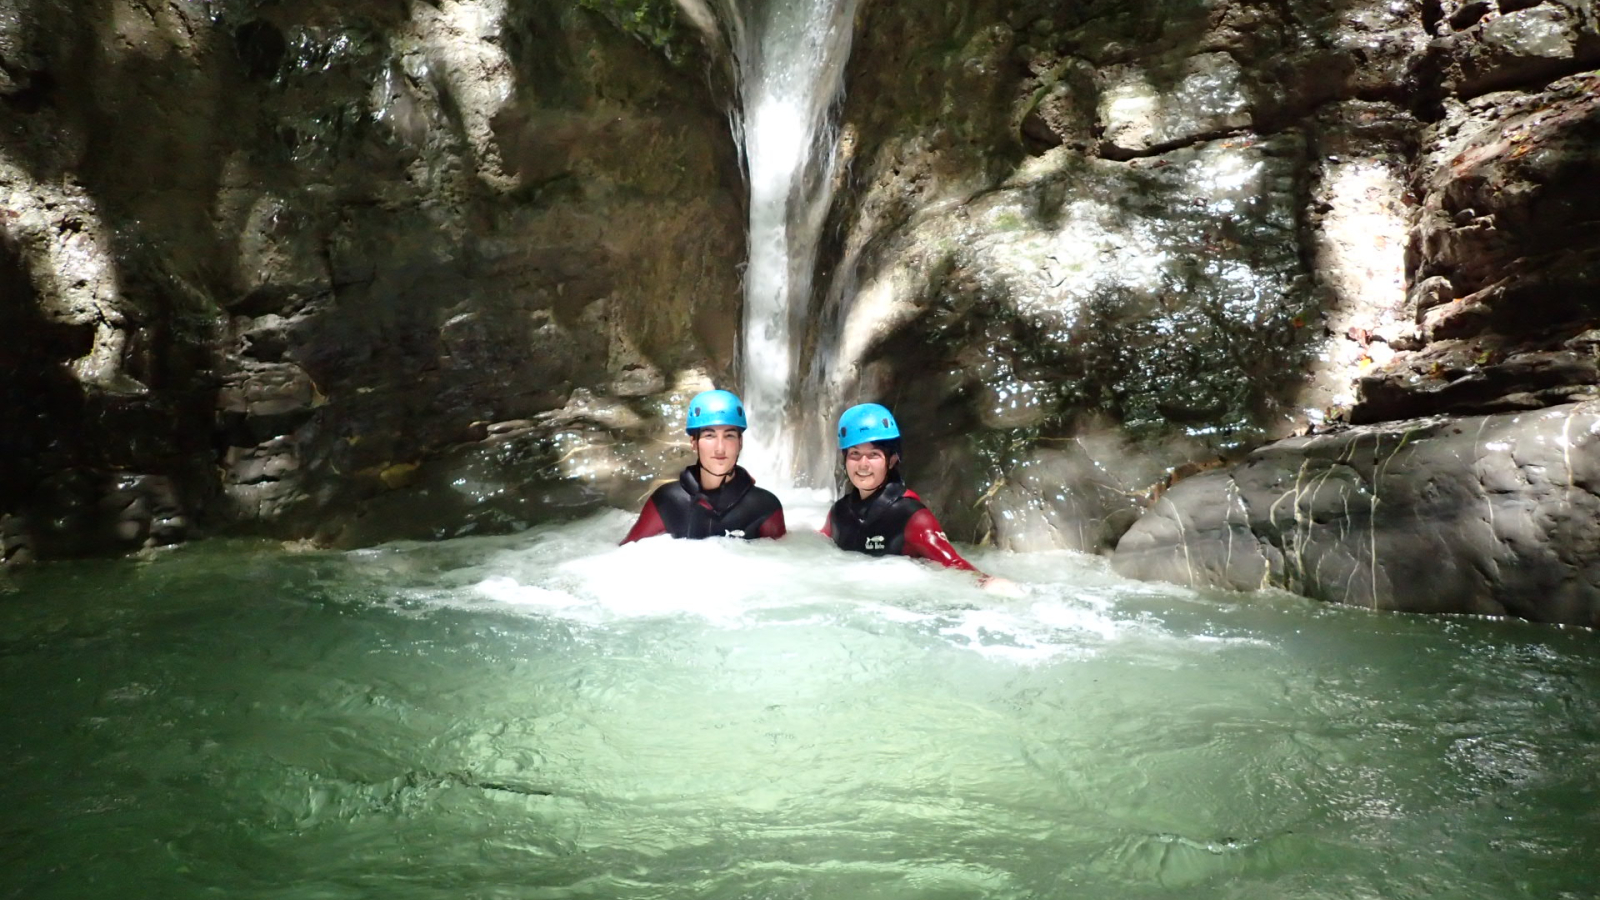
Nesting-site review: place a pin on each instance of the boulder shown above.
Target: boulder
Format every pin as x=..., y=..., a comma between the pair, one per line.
x=1489, y=515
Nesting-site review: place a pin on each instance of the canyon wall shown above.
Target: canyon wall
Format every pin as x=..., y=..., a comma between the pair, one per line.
x=350, y=272
x=1105, y=255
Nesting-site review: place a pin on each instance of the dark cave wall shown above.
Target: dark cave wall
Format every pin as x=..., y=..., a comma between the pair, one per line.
x=349, y=272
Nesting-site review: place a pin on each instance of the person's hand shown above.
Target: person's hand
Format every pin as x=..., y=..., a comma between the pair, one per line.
x=1002, y=587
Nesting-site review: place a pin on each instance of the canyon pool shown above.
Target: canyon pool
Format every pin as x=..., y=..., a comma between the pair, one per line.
x=547, y=715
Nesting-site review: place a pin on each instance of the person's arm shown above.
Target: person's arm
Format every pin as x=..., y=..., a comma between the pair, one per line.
x=827, y=526
x=772, y=526
x=926, y=540
x=649, y=524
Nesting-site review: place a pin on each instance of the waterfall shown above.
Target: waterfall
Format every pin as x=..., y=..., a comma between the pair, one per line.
x=789, y=58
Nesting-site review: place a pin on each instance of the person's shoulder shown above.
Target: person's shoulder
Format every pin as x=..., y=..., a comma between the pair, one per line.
x=766, y=497
x=669, y=491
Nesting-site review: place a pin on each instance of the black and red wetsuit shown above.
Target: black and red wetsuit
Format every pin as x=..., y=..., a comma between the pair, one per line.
x=892, y=521
x=683, y=510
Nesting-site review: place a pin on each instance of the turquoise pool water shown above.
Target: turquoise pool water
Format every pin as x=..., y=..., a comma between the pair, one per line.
x=550, y=716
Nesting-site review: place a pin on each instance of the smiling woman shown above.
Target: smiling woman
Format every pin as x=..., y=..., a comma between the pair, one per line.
x=879, y=515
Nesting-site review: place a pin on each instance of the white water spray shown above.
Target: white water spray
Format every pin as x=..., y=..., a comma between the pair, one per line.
x=790, y=57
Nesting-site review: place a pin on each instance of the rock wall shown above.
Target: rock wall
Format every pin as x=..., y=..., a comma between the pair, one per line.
x=350, y=271
x=1091, y=251
x=1090, y=245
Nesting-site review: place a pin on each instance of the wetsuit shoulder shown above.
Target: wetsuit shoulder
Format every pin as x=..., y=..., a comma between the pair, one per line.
x=676, y=505
x=672, y=490
x=765, y=499
x=649, y=523
x=772, y=526
x=766, y=512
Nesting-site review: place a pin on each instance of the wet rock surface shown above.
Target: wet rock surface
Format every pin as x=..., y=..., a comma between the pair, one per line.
x=1494, y=515
x=1168, y=238
x=1503, y=258
x=1203, y=229
x=276, y=267
x=1488, y=45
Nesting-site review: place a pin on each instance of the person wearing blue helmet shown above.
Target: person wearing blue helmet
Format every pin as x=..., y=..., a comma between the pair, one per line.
x=878, y=515
x=715, y=497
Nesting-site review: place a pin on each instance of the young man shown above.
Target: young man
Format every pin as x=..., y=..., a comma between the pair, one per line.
x=715, y=497
x=878, y=515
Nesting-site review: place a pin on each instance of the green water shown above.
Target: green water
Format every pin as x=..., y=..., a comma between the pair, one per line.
x=547, y=716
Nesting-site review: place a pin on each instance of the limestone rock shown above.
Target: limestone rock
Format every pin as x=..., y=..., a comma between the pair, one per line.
x=1206, y=99
x=1062, y=497
x=1489, y=49
x=1501, y=179
x=271, y=250
x=1502, y=264
x=1491, y=515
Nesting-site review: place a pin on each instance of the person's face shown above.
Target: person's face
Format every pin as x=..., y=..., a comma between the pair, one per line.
x=718, y=448
x=867, y=467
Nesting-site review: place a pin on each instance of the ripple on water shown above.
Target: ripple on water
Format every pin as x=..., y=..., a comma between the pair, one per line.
x=550, y=715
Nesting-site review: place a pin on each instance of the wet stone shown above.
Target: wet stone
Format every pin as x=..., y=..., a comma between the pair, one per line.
x=1521, y=47
x=1491, y=515
x=1061, y=498
x=1207, y=98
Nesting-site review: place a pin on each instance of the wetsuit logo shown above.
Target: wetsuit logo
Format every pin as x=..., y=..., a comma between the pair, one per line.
x=733, y=533
x=875, y=542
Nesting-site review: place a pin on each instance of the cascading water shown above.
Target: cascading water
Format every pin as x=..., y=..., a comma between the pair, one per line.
x=790, y=57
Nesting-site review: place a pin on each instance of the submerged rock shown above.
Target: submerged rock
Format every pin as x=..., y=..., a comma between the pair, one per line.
x=1494, y=515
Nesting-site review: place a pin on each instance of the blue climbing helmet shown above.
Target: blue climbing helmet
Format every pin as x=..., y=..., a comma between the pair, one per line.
x=864, y=423
x=710, y=408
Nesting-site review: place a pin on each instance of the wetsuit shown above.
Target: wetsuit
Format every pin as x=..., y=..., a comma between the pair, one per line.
x=683, y=510
x=893, y=520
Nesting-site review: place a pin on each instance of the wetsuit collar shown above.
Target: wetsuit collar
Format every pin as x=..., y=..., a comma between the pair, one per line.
x=723, y=498
x=887, y=493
